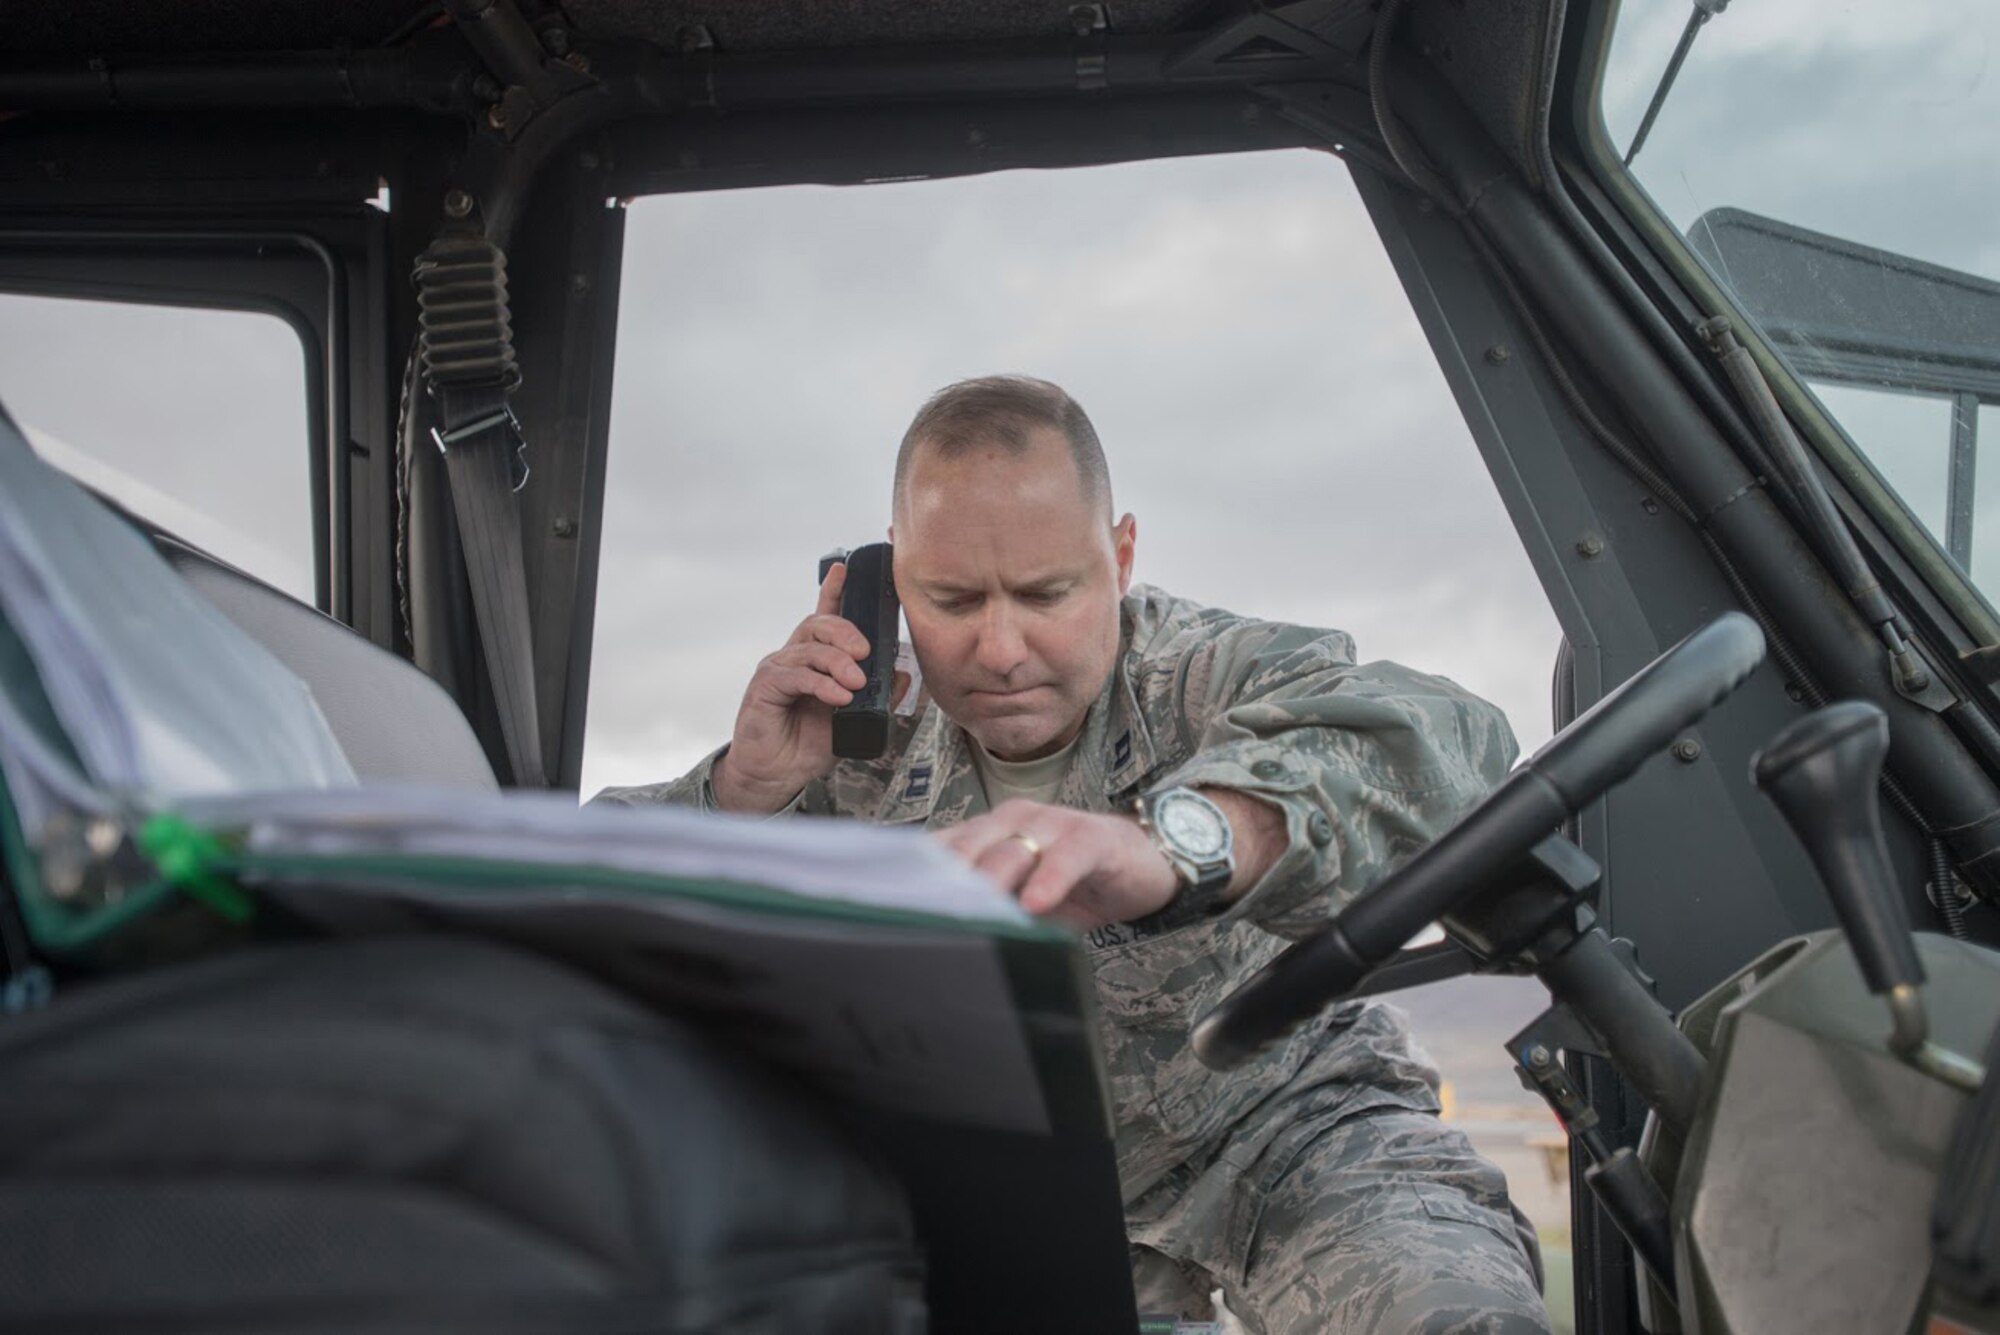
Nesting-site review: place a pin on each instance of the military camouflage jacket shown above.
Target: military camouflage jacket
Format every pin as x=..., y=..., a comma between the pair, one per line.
x=1367, y=763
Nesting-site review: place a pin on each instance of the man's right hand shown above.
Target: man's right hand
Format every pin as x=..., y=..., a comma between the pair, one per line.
x=784, y=728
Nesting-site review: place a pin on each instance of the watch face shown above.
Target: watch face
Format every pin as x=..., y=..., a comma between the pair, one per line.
x=1192, y=826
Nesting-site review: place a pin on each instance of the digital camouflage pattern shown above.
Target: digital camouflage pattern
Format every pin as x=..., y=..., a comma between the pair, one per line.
x=1368, y=764
x=1383, y=1222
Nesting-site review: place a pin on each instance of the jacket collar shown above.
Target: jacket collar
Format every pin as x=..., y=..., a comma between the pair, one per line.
x=936, y=769
x=1117, y=747
x=936, y=760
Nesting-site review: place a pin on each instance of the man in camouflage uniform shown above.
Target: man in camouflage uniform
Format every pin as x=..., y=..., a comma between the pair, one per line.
x=1316, y=1187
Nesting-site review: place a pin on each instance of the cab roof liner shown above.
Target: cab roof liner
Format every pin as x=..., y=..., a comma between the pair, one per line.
x=1497, y=56
x=47, y=27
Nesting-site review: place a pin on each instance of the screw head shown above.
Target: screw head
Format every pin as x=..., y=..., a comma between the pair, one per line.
x=1498, y=353
x=1589, y=546
x=457, y=203
x=1961, y=893
x=564, y=526
x=1539, y=1056
x=1650, y=506
x=1687, y=750
x=102, y=837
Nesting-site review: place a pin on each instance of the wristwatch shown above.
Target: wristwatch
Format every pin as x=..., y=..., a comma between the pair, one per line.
x=1194, y=836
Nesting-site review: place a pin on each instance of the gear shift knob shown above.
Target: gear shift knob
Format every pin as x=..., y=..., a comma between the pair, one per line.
x=1823, y=773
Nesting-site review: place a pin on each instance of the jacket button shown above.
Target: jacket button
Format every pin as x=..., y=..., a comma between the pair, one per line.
x=1268, y=769
x=1319, y=829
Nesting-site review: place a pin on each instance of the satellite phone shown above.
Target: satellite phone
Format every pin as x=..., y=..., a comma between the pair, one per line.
x=861, y=727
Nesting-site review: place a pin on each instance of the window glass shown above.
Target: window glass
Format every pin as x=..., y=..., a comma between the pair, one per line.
x=1908, y=439
x=1986, y=507
x=1834, y=166
x=195, y=420
x=1270, y=409
x=1271, y=412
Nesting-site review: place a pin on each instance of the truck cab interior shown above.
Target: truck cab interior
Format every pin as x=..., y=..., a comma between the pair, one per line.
x=430, y=195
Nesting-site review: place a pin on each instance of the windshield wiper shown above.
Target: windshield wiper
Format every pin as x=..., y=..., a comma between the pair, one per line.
x=1704, y=10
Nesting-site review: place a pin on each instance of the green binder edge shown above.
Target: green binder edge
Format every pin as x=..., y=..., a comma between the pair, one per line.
x=199, y=863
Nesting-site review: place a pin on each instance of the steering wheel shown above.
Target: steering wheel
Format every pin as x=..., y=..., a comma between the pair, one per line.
x=1593, y=753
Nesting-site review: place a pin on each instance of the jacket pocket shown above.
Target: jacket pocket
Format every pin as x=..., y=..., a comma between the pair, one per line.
x=1158, y=981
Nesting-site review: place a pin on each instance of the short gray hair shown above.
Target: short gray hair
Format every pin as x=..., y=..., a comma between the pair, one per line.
x=1003, y=410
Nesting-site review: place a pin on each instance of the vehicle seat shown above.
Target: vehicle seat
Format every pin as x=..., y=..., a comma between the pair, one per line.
x=423, y=1136
x=394, y=722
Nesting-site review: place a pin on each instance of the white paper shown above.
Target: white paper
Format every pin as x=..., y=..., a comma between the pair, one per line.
x=842, y=861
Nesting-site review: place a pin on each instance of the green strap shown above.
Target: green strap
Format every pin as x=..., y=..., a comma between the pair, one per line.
x=187, y=859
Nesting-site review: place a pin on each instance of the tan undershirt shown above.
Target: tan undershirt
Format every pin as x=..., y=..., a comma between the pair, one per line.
x=1034, y=780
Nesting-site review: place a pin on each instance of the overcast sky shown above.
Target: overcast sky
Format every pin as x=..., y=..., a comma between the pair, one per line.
x=1271, y=412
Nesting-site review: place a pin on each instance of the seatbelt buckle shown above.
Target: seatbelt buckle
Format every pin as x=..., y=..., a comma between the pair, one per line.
x=517, y=466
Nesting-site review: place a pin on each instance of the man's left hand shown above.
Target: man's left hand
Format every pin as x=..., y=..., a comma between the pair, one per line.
x=1077, y=867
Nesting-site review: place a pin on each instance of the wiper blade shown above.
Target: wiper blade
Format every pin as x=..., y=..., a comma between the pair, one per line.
x=1704, y=10
x=1793, y=470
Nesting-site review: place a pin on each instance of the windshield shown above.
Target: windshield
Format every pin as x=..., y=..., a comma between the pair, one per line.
x=1833, y=168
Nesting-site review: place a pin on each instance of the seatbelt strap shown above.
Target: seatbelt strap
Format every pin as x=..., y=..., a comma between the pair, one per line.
x=467, y=352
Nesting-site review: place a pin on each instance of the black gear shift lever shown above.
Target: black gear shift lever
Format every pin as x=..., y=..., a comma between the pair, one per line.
x=1823, y=773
